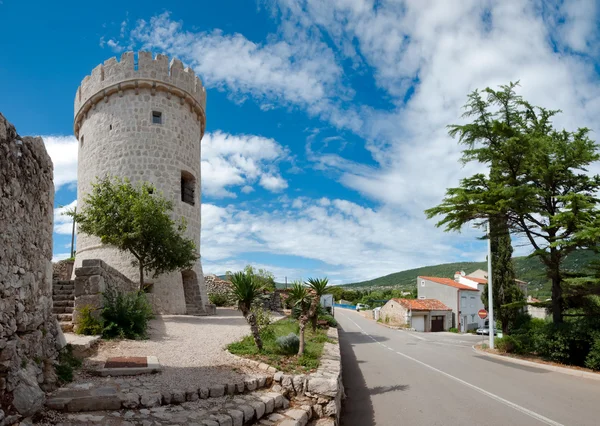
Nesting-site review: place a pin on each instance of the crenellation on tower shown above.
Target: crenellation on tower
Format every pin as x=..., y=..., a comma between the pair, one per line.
x=151, y=71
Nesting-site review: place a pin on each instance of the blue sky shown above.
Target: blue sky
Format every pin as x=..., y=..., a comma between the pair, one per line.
x=326, y=121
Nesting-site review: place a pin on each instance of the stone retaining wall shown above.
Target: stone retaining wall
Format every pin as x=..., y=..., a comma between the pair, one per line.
x=29, y=334
x=62, y=270
x=94, y=278
x=323, y=390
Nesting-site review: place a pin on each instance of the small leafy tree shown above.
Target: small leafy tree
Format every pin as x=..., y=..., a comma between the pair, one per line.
x=136, y=219
x=301, y=299
x=264, y=278
x=318, y=286
x=245, y=290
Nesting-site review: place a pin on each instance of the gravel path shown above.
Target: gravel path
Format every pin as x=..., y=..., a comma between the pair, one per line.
x=190, y=349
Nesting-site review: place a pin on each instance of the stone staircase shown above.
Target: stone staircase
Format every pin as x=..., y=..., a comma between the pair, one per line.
x=63, y=296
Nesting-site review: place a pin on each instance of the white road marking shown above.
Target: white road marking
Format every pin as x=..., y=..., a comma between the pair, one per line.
x=495, y=397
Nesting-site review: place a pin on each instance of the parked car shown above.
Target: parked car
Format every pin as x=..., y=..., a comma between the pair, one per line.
x=486, y=331
x=361, y=306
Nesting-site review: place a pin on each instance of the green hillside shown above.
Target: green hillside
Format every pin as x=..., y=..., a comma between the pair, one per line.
x=528, y=269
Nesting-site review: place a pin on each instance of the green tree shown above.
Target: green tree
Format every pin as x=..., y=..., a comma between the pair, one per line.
x=246, y=289
x=537, y=180
x=318, y=287
x=301, y=299
x=136, y=219
x=265, y=278
x=506, y=291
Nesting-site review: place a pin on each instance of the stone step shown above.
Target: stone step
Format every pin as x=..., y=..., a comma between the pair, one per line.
x=64, y=302
x=64, y=317
x=65, y=282
x=70, y=288
x=58, y=292
x=63, y=298
x=62, y=309
x=66, y=327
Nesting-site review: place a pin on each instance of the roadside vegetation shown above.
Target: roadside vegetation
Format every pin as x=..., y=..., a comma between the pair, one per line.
x=537, y=186
x=279, y=350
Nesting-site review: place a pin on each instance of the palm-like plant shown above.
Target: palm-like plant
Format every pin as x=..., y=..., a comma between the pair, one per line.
x=245, y=290
x=317, y=285
x=301, y=299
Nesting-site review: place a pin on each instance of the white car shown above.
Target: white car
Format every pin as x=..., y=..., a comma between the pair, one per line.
x=486, y=331
x=360, y=306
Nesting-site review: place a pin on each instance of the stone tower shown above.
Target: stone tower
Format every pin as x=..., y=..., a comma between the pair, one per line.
x=144, y=121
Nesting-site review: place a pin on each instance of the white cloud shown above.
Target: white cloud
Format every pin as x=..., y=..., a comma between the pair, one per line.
x=239, y=160
x=60, y=256
x=353, y=242
x=63, y=151
x=63, y=224
x=298, y=71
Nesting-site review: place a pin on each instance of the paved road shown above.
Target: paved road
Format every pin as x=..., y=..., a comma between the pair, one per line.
x=395, y=377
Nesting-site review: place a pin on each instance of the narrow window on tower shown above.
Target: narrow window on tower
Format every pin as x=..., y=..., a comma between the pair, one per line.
x=81, y=141
x=188, y=188
x=156, y=117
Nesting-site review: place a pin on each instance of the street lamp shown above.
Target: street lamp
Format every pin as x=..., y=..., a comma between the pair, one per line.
x=490, y=292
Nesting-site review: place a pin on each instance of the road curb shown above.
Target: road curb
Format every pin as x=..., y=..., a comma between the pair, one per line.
x=562, y=370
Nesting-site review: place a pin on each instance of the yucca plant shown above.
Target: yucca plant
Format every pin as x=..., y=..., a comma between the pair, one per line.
x=318, y=287
x=245, y=290
x=301, y=299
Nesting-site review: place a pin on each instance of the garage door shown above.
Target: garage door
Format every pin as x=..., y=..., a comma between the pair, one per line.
x=437, y=323
x=418, y=323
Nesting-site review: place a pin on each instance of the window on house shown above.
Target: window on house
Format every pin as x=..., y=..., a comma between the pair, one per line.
x=463, y=302
x=422, y=283
x=156, y=117
x=473, y=318
x=188, y=188
x=110, y=127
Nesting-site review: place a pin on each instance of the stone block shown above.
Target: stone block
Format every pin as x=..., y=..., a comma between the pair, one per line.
x=89, y=270
x=278, y=376
x=192, y=395
x=222, y=419
x=240, y=387
x=251, y=384
x=259, y=408
x=298, y=415
x=217, y=391
x=261, y=381
x=178, y=397
x=204, y=393
x=323, y=386
x=237, y=417
x=247, y=410
x=269, y=403
x=150, y=399
x=130, y=400
x=230, y=388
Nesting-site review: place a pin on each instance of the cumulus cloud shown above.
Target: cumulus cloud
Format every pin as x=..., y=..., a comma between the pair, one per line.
x=350, y=241
x=240, y=160
x=63, y=224
x=63, y=151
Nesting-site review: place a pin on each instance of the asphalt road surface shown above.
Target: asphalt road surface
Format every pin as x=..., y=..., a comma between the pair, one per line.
x=397, y=378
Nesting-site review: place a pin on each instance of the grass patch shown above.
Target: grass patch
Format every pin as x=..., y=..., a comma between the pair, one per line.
x=272, y=354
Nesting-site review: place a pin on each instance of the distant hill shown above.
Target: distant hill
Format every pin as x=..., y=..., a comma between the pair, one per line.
x=528, y=269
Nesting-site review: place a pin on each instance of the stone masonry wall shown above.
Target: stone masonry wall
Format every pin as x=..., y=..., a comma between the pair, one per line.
x=29, y=334
x=94, y=278
x=62, y=270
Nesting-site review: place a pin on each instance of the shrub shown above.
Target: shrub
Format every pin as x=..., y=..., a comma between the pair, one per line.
x=507, y=344
x=126, y=315
x=263, y=317
x=219, y=299
x=88, y=323
x=288, y=344
x=453, y=330
x=331, y=321
x=593, y=358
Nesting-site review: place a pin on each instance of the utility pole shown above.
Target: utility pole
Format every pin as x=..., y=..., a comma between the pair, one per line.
x=286, y=283
x=492, y=325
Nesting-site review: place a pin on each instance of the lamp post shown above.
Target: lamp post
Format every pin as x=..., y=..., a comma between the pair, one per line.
x=490, y=292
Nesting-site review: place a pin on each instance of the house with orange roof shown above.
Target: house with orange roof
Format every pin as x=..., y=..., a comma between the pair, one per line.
x=463, y=298
x=419, y=314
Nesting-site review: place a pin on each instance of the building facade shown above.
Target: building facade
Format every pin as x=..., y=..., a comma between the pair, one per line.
x=422, y=315
x=463, y=300
x=143, y=118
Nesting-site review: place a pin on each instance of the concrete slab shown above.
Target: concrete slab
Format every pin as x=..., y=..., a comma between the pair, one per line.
x=82, y=345
x=152, y=366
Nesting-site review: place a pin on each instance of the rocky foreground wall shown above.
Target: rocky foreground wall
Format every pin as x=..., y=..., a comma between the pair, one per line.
x=29, y=333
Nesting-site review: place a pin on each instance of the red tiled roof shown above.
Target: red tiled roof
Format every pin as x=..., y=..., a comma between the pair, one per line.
x=423, y=304
x=450, y=282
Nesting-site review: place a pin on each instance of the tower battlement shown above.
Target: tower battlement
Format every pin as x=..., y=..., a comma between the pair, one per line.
x=156, y=73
